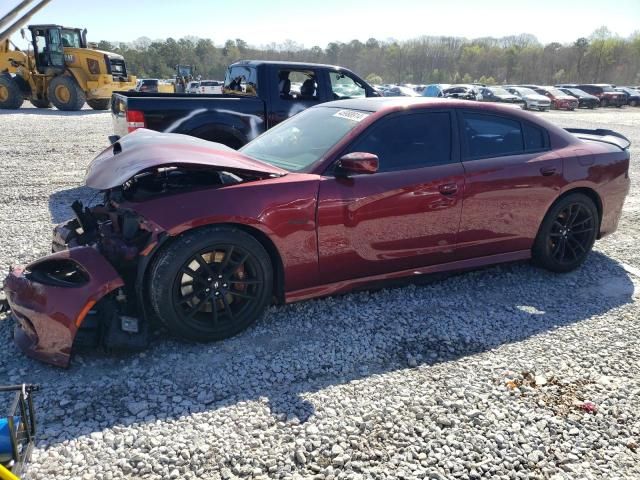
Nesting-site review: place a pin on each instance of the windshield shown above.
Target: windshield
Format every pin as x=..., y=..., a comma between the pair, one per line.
x=299, y=142
x=577, y=91
x=607, y=88
x=556, y=93
x=70, y=38
x=499, y=91
x=525, y=91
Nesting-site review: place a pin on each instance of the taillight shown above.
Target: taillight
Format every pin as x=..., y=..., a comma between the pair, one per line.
x=135, y=120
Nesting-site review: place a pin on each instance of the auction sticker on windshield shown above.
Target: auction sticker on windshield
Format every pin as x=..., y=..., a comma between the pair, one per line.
x=351, y=115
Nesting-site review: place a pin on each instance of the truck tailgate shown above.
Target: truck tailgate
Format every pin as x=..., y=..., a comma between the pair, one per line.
x=119, y=114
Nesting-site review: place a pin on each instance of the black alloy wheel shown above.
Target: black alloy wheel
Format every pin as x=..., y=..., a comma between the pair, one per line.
x=567, y=233
x=211, y=286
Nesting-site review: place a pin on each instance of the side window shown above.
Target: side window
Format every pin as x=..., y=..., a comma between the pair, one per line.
x=297, y=84
x=535, y=138
x=491, y=135
x=241, y=80
x=409, y=141
x=343, y=86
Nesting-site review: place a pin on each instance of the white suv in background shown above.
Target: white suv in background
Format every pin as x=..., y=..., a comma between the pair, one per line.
x=210, y=86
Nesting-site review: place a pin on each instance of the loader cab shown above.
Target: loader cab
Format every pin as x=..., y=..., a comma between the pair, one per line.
x=73, y=37
x=48, y=48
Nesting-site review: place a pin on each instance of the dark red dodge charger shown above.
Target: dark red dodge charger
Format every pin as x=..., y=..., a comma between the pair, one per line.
x=203, y=238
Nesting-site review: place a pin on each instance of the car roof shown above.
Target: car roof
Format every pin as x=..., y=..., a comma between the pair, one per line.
x=286, y=64
x=379, y=104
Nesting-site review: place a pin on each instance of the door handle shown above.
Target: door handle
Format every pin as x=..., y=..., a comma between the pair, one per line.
x=548, y=171
x=448, y=188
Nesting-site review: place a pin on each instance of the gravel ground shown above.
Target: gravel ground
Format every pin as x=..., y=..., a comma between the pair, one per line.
x=506, y=372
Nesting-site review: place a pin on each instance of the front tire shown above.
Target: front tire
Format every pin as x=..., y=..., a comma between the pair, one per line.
x=10, y=93
x=211, y=284
x=65, y=93
x=99, y=103
x=567, y=234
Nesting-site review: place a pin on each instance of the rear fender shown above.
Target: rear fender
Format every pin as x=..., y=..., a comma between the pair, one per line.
x=243, y=126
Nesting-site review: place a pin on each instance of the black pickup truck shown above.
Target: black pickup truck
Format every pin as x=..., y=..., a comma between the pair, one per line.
x=256, y=96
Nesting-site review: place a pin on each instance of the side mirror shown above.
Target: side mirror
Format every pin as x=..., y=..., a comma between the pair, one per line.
x=358, y=162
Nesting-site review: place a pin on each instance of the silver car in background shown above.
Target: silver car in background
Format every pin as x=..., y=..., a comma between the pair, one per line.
x=531, y=99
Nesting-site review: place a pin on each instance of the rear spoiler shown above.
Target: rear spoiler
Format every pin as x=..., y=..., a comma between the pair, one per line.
x=601, y=135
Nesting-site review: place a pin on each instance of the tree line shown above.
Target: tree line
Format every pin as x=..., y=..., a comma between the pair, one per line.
x=600, y=58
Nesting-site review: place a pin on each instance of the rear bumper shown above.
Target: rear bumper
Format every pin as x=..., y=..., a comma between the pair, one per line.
x=49, y=312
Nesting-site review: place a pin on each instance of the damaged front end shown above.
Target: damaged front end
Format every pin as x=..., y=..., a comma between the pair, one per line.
x=83, y=294
x=90, y=291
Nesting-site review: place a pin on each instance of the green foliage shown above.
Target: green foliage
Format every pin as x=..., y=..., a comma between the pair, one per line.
x=374, y=78
x=603, y=57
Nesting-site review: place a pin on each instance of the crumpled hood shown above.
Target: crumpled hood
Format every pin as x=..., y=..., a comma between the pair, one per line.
x=145, y=149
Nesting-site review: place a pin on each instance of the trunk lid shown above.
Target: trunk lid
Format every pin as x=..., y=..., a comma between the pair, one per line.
x=146, y=149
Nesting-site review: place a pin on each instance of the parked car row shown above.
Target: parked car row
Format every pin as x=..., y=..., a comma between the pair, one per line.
x=561, y=97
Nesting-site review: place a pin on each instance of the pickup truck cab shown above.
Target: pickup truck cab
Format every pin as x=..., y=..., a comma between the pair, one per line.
x=257, y=95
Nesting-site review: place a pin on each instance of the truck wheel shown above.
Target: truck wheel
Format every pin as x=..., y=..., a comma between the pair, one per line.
x=38, y=103
x=99, y=103
x=65, y=93
x=10, y=93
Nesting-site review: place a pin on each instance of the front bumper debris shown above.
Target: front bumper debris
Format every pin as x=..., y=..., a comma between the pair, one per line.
x=50, y=297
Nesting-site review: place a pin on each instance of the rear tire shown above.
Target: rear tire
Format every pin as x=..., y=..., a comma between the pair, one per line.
x=38, y=103
x=567, y=234
x=211, y=284
x=65, y=93
x=633, y=103
x=99, y=103
x=10, y=93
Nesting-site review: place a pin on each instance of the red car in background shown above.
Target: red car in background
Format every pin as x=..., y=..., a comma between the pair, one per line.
x=559, y=99
x=605, y=92
x=203, y=237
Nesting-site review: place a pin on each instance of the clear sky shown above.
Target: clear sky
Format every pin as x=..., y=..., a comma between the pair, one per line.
x=322, y=21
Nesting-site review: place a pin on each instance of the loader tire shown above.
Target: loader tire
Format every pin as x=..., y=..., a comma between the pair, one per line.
x=38, y=103
x=10, y=93
x=99, y=103
x=65, y=93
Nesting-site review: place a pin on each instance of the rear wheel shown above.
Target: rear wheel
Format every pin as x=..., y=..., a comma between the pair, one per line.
x=211, y=284
x=65, y=93
x=567, y=233
x=99, y=103
x=10, y=93
x=39, y=103
x=633, y=103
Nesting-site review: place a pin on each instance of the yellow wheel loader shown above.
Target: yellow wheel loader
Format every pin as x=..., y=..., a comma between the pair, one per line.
x=57, y=68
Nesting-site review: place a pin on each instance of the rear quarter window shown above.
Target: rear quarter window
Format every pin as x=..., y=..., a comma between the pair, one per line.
x=489, y=135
